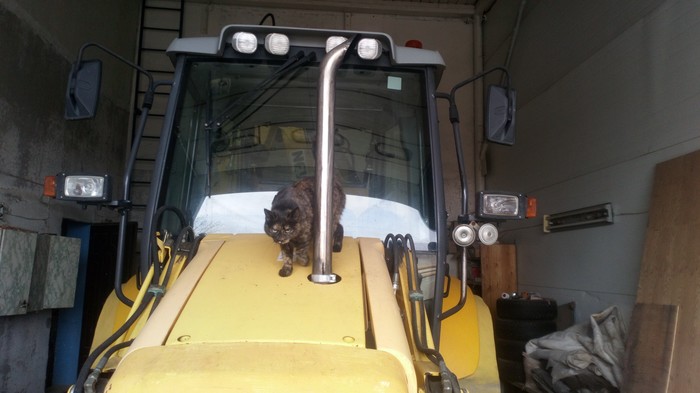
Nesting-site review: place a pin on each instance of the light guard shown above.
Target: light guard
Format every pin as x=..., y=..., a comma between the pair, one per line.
x=580, y=218
x=501, y=205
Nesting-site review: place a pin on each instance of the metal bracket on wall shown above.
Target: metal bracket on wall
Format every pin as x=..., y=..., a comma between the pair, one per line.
x=579, y=218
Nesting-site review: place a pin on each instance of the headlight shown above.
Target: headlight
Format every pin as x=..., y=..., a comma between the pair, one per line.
x=333, y=41
x=277, y=44
x=244, y=42
x=369, y=49
x=80, y=188
x=502, y=206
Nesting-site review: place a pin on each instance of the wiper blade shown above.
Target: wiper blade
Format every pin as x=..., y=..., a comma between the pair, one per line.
x=293, y=63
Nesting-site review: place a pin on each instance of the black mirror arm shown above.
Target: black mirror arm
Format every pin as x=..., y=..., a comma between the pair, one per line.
x=481, y=75
x=116, y=56
x=454, y=119
x=125, y=203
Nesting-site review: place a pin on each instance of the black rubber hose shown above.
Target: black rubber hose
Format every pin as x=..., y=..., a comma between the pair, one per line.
x=92, y=379
x=194, y=249
x=181, y=238
x=85, y=370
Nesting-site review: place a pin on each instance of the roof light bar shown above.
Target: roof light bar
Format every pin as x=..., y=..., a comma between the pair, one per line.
x=277, y=44
x=244, y=42
x=333, y=41
x=369, y=49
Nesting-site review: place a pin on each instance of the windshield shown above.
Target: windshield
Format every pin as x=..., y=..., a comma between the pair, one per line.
x=243, y=131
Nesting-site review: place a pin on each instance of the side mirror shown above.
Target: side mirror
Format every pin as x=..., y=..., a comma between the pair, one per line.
x=83, y=90
x=499, y=122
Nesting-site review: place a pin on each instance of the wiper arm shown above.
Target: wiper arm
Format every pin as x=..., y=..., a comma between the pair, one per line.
x=293, y=63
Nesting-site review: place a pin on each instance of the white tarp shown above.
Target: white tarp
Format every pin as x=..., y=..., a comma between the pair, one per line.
x=597, y=346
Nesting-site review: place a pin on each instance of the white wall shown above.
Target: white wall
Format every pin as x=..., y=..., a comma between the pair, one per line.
x=606, y=91
x=452, y=37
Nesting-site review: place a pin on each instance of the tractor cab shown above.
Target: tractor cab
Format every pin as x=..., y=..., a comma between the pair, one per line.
x=249, y=112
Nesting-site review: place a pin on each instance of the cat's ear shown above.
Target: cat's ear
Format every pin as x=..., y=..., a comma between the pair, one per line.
x=268, y=214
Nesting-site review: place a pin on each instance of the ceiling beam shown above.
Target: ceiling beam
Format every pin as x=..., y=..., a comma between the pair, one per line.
x=402, y=8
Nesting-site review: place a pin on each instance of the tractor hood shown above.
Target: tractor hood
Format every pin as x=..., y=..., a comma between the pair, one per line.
x=231, y=323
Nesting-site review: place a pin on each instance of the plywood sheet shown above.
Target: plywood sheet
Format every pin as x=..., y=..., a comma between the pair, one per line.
x=650, y=346
x=498, y=273
x=670, y=270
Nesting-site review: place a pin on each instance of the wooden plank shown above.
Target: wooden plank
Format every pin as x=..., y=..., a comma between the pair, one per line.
x=498, y=273
x=650, y=345
x=670, y=270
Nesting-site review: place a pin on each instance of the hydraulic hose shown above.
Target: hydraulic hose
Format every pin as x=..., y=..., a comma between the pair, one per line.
x=95, y=374
x=403, y=246
x=84, y=371
x=153, y=291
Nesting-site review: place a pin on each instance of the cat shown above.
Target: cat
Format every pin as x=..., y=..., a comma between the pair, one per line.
x=290, y=221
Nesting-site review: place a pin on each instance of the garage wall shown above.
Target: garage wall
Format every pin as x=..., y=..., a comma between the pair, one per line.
x=452, y=36
x=606, y=91
x=36, y=50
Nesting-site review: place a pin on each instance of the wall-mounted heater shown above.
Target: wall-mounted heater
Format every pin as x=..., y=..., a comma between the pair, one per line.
x=579, y=218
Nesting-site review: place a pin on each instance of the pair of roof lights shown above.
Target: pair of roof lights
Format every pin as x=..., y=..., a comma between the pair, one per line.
x=278, y=44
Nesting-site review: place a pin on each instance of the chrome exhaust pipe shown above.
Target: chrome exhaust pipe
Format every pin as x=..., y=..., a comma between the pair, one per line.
x=322, y=272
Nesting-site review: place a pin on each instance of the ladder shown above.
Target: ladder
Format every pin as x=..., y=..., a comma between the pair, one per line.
x=161, y=22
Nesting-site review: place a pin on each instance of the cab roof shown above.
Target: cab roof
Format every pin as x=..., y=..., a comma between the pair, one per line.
x=304, y=37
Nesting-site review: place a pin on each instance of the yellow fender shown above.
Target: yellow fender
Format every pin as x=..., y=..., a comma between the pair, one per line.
x=467, y=342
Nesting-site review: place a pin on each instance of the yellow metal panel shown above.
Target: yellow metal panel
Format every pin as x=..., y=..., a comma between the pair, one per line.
x=385, y=315
x=159, y=324
x=241, y=297
x=485, y=378
x=258, y=367
x=113, y=313
x=459, y=335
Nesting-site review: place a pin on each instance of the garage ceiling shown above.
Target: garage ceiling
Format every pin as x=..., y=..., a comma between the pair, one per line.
x=427, y=8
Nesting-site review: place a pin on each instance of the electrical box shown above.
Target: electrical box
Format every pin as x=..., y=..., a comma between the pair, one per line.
x=55, y=272
x=17, y=249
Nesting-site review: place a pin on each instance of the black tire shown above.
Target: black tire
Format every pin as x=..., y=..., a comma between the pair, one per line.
x=523, y=309
x=510, y=370
x=521, y=330
x=510, y=349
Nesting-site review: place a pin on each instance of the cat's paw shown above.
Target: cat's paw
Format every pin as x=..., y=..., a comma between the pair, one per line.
x=286, y=271
x=303, y=260
x=301, y=256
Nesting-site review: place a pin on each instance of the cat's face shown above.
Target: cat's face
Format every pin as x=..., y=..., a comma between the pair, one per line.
x=282, y=226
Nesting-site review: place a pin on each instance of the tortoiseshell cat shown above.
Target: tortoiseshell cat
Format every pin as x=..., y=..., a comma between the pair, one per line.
x=290, y=221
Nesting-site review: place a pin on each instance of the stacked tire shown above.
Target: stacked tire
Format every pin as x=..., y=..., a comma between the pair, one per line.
x=518, y=320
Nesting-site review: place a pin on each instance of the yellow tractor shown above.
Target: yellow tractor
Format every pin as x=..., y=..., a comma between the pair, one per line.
x=249, y=112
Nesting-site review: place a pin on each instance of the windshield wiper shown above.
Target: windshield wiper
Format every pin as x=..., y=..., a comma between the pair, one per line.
x=292, y=64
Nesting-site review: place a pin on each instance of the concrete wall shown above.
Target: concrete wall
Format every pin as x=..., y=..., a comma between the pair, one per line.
x=452, y=36
x=606, y=91
x=39, y=41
